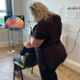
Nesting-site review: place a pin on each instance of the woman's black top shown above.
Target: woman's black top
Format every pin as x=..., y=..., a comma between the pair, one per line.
x=52, y=52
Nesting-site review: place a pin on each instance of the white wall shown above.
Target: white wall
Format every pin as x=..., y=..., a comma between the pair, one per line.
x=3, y=38
x=18, y=7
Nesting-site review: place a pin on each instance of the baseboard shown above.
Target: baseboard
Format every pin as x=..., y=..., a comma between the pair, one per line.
x=72, y=64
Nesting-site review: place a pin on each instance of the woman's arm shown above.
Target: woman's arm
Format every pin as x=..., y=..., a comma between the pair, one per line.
x=35, y=42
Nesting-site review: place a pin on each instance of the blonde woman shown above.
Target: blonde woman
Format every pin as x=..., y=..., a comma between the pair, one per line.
x=46, y=40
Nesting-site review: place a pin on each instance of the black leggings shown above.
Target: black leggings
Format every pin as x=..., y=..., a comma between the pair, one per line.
x=48, y=74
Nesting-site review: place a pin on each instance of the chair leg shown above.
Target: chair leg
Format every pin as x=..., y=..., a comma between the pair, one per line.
x=32, y=70
x=21, y=74
x=14, y=72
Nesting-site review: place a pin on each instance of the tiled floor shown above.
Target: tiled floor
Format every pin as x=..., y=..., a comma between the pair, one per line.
x=6, y=69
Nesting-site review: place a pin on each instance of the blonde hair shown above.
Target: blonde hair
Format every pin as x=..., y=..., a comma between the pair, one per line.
x=39, y=11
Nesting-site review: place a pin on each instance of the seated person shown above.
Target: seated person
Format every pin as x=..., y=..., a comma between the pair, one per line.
x=26, y=50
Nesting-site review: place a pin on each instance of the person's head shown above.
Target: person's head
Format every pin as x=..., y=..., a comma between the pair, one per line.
x=39, y=11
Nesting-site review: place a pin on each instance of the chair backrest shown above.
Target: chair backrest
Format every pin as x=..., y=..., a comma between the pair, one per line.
x=30, y=60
